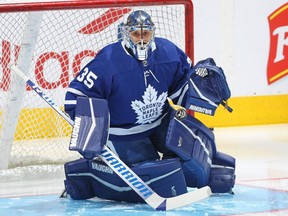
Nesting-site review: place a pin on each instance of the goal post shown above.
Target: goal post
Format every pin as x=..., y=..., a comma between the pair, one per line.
x=14, y=98
x=51, y=41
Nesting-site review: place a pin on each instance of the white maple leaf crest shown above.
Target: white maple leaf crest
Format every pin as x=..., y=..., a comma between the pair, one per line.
x=151, y=107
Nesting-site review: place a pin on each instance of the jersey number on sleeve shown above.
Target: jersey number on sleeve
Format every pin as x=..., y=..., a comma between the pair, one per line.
x=87, y=77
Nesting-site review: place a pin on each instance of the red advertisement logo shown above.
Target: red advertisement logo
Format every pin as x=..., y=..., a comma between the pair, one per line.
x=67, y=61
x=277, y=66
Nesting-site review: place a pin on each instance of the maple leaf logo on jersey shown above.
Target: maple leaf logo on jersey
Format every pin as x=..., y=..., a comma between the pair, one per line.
x=151, y=107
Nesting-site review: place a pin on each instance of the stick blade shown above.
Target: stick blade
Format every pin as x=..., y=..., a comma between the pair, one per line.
x=188, y=198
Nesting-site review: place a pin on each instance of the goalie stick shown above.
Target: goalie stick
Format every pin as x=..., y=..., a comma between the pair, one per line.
x=122, y=170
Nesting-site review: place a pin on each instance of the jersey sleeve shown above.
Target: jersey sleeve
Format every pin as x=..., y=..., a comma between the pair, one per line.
x=179, y=87
x=93, y=81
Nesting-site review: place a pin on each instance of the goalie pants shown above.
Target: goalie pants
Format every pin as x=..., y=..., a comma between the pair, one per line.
x=146, y=149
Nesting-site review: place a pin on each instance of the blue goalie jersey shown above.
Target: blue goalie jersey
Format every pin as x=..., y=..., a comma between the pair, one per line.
x=136, y=91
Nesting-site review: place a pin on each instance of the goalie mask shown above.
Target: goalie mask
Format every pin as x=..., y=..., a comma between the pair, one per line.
x=138, y=34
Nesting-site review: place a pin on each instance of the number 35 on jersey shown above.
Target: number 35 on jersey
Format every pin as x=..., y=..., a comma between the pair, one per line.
x=87, y=77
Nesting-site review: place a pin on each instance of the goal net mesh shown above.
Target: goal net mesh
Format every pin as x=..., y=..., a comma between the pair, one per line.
x=31, y=133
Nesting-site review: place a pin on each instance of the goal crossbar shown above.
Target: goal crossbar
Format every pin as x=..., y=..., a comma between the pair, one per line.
x=81, y=4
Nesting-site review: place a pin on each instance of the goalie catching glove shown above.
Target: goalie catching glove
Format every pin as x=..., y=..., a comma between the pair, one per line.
x=91, y=125
x=207, y=88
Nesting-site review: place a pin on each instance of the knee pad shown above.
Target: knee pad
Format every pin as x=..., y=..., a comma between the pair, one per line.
x=165, y=177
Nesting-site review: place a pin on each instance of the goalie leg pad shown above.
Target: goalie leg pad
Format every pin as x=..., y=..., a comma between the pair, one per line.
x=78, y=187
x=165, y=177
x=194, y=143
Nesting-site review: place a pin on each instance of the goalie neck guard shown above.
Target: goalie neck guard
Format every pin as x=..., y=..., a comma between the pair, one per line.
x=139, y=21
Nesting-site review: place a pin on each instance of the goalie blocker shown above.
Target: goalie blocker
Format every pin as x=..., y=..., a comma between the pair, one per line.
x=91, y=125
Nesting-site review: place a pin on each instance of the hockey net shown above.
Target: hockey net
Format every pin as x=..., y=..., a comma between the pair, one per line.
x=50, y=42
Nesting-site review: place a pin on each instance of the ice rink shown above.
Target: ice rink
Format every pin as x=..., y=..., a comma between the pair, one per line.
x=261, y=187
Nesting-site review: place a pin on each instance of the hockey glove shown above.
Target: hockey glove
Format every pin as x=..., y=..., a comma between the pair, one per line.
x=207, y=88
x=91, y=125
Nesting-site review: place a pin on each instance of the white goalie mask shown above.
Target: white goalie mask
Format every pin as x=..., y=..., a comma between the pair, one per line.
x=138, y=34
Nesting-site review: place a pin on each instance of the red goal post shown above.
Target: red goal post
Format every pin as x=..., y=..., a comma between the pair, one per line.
x=50, y=41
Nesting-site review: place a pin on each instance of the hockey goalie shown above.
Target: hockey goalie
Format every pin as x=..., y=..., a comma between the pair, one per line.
x=133, y=97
